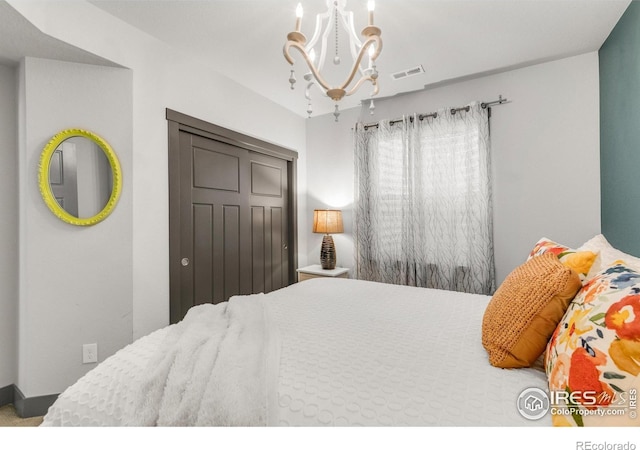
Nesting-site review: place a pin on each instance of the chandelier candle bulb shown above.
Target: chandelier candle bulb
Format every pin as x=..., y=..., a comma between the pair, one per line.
x=371, y=5
x=299, y=13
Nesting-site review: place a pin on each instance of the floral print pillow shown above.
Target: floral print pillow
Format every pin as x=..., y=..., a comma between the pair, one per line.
x=580, y=261
x=593, y=358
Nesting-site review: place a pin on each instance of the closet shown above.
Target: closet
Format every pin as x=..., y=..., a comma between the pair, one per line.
x=232, y=210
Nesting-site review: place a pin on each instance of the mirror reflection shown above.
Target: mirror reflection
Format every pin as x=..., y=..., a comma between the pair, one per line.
x=80, y=177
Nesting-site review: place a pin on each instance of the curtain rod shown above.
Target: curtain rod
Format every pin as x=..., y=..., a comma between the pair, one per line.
x=484, y=105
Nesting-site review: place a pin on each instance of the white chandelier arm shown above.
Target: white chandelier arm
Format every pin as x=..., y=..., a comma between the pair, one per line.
x=347, y=19
x=307, y=91
x=324, y=47
x=320, y=18
x=370, y=41
x=305, y=55
x=376, y=88
x=307, y=94
x=354, y=41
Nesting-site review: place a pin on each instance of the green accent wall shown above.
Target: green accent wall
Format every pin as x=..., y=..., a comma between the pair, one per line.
x=620, y=133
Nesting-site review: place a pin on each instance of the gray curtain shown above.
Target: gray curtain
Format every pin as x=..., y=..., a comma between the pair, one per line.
x=423, y=212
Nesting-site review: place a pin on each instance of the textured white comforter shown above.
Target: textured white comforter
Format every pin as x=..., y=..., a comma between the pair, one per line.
x=331, y=352
x=210, y=370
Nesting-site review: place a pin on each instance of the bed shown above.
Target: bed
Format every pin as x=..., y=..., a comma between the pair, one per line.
x=558, y=343
x=327, y=352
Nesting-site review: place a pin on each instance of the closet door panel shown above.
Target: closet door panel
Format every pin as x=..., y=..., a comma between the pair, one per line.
x=233, y=224
x=231, y=214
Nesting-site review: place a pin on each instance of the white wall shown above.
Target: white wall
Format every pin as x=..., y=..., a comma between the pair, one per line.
x=330, y=183
x=161, y=78
x=545, y=151
x=75, y=282
x=8, y=226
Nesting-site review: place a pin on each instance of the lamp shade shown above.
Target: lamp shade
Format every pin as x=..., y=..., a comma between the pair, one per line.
x=327, y=221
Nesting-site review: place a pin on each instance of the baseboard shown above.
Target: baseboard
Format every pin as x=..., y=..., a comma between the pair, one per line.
x=7, y=395
x=26, y=407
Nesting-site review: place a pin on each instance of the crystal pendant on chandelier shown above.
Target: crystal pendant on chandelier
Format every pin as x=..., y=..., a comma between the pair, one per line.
x=292, y=79
x=326, y=25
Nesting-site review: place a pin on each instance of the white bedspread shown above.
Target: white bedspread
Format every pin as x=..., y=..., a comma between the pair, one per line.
x=336, y=352
x=362, y=353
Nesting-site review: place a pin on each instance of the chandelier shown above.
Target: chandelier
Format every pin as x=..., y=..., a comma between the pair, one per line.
x=326, y=27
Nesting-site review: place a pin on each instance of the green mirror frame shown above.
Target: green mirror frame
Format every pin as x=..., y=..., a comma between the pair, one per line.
x=44, y=182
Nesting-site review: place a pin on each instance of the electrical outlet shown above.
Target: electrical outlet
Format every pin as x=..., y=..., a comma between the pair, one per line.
x=89, y=353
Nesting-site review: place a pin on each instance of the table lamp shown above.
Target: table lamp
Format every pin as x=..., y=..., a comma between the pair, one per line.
x=327, y=221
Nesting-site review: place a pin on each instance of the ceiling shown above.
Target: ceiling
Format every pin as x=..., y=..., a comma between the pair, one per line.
x=19, y=38
x=451, y=39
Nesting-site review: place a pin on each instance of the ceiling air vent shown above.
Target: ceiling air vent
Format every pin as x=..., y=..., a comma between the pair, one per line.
x=408, y=72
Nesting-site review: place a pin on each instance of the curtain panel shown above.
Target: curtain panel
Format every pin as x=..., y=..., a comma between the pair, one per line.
x=423, y=210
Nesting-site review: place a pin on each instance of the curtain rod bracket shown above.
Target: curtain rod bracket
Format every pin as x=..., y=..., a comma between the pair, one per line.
x=500, y=101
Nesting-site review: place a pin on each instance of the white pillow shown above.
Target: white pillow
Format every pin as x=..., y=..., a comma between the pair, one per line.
x=596, y=244
x=607, y=255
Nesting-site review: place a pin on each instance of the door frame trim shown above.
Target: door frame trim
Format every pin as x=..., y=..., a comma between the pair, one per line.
x=178, y=122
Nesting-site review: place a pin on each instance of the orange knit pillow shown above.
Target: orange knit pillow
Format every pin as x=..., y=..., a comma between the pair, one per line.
x=525, y=310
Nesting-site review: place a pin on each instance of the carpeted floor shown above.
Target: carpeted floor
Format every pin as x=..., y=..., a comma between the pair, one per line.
x=9, y=418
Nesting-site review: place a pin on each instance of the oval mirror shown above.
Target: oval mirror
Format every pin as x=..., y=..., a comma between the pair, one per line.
x=79, y=177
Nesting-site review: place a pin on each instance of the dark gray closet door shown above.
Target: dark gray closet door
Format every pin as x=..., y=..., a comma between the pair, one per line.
x=234, y=213
x=269, y=223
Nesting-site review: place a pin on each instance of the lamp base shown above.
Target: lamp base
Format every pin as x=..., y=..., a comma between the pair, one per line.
x=328, y=253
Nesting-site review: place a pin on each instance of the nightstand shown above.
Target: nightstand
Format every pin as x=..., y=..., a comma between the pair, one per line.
x=316, y=271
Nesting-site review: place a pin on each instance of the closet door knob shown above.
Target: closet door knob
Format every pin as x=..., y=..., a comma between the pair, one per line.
x=184, y=262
